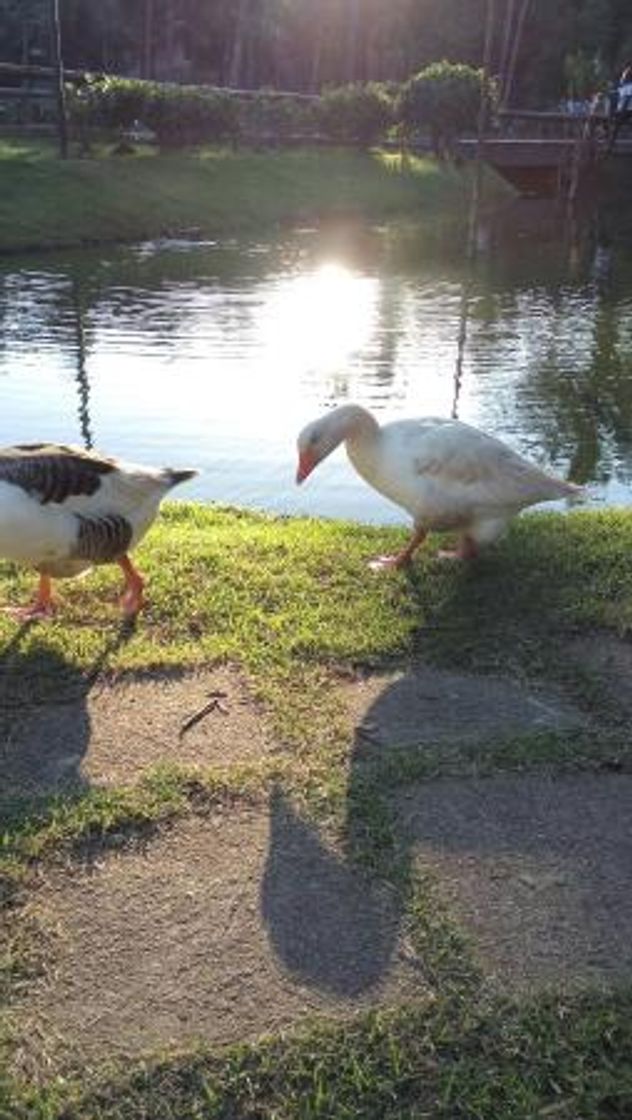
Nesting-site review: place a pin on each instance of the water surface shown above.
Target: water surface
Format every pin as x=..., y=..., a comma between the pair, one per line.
x=214, y=354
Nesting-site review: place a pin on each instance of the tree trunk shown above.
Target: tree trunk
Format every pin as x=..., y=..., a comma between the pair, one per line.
x=511, y=70
x=353, y=31
x=169, y=42
x=62, y=124
x=235, y=70
x=148, y=40
x=317, y=56
x=505, y=48
x=25, y=41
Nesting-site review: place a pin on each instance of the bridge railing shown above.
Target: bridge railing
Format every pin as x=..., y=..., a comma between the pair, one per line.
x=27, y=94
x=531, y=124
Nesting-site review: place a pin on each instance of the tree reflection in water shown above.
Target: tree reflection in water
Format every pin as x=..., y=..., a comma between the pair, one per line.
x=230, y=346
x=83, y=384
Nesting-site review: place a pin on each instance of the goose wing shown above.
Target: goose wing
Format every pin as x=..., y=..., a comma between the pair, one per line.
x=455, y=455
x=62, y=503
x=50, y=472
x=84, y=482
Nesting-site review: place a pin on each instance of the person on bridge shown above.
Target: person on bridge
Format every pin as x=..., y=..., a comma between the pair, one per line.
x=620, y=103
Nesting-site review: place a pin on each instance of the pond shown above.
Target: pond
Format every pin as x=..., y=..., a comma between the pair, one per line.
x=214, y=354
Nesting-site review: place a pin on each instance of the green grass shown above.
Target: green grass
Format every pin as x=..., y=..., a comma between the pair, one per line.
x=292, y=604
x=567, y=1058
x=281, y=595
x=267, y=591
x=48, y=202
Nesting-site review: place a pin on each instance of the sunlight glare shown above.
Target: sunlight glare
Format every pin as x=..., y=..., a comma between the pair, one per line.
x=303, y=332
x=316, y=322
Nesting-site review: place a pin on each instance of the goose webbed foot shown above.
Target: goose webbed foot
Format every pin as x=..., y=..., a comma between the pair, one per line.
x=399, y=559
x=467, y=550
x=43, y=606
x=34, y=612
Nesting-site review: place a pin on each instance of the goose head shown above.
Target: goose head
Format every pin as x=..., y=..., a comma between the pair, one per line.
x=317, y=440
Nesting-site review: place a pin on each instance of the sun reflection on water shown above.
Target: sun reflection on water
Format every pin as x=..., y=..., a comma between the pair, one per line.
x=216, y=357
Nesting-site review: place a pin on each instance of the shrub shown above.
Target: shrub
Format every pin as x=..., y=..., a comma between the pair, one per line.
x=181, y=115
x=583, y=74
x=178, y=115
x=356, y=113
x=190, y=114
x=111, y=103
x=444, y=98
x=264, y=116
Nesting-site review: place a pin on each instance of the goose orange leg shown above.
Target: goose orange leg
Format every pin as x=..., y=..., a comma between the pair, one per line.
x=132, y=599
x=467, y=550
x=42, y=607
x=400, y=559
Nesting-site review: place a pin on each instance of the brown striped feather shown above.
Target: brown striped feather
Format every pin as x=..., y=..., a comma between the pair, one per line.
x=102, y=539
x=53, y=472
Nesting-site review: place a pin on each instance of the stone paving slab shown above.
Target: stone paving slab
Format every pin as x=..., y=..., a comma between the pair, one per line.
x=428, y=705
x=118, y=729
x=537, y=869
x=225, y=928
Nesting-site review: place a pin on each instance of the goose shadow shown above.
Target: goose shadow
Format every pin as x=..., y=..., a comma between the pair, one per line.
x=330, y=924
x=44, y=718
x=533, y=865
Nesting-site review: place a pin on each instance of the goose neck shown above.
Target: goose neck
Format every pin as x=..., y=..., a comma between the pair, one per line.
x=361, y=428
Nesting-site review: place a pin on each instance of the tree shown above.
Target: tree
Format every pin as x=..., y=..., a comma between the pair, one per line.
x=445, y=99
x=304, y=44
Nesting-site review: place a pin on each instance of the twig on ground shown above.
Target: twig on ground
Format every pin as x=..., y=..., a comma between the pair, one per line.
x=213, y=705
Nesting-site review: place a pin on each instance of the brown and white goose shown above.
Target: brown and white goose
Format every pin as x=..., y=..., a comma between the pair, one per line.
x=63, y=510
x=446, y=474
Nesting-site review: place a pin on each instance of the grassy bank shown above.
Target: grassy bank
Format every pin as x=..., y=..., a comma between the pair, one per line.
x=47, y=202
x=291, y=603
x=557, y=1057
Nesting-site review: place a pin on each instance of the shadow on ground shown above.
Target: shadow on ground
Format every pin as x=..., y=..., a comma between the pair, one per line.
x=538, y=868
x=329, y=924
x=62, y=729
x=44, y=722
x=245, y=919
x=543, y=855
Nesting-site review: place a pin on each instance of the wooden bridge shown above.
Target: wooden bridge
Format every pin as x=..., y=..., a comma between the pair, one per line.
x=545, y=154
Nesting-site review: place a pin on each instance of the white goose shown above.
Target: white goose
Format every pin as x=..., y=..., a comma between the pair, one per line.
x=446, y=474
x=63, y=509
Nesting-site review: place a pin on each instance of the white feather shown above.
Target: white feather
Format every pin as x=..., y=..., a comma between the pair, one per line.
x=446, y=474
x=43, y=535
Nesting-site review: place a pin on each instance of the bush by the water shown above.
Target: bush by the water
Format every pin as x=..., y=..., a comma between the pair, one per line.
x=441, y=101
x=444, y=99
x=357, y=113
x=268, y=116
x=178, y=115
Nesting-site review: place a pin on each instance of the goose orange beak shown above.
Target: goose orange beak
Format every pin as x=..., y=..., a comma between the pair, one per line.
x=306, y=463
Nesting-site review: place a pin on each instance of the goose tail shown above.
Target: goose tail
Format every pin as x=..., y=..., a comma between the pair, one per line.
x=575, y=493
x=175, y=477
x=561, y=488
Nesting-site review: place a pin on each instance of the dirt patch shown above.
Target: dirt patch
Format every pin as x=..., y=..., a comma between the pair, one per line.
x=228, y=927
x=609, y=660
x=428, y=705
x=117, y=730
x=539, y=871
